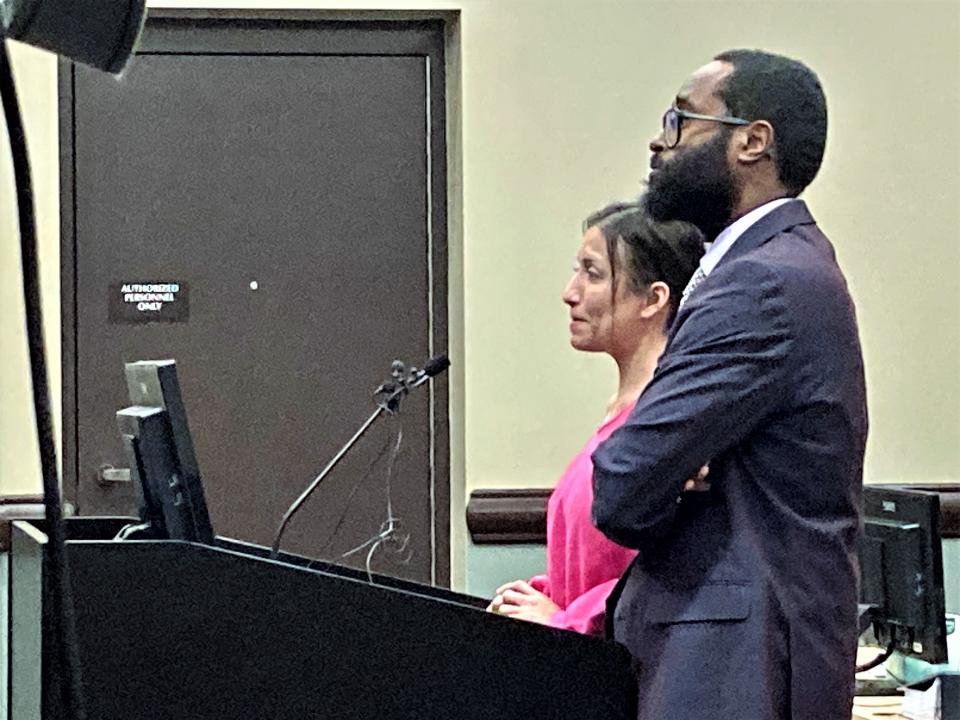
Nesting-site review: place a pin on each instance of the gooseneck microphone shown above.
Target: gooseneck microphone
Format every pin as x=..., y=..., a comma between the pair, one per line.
x=388, y=396
x=403, y=381
x=434, y=366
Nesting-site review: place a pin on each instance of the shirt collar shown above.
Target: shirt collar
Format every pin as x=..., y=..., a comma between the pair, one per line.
x=734, y=230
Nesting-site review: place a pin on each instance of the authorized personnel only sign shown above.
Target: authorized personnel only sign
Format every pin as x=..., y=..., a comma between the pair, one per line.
x=134, y=303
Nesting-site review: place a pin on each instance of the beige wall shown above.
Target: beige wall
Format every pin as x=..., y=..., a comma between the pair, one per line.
x=19, y=460
x=557, y=106
x=558, y=99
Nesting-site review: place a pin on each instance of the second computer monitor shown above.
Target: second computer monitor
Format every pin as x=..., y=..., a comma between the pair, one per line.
x=901, y=571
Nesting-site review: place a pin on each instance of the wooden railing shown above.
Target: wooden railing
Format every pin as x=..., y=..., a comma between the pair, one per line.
x=520, y=515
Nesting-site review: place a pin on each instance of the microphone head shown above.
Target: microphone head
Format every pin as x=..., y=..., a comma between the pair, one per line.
x=436, y=365
x=99, y=33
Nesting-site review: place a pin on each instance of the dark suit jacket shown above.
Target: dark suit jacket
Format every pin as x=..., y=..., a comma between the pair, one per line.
x=742, y=601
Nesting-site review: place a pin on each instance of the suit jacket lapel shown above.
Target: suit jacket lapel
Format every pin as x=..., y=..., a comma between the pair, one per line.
x=773, y=223
x=783, y=218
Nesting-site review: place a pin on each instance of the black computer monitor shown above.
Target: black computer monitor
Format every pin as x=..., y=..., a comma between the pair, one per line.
x=163, y=466
x=901, y=572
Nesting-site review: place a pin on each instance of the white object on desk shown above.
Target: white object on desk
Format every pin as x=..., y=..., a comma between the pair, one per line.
x=922, y=704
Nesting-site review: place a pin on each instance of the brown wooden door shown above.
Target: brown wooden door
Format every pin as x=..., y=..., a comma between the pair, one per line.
x=288, y=179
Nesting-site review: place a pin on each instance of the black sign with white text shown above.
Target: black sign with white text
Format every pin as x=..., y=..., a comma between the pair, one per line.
x=136, y=303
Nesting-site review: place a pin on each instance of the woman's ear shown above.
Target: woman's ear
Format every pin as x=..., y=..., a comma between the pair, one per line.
x=658, y=299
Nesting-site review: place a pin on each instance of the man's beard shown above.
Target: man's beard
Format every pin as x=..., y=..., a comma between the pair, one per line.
x=696, y=186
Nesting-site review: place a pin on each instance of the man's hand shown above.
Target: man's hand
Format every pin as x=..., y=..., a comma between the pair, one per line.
x=520, y=601
x=698, y=483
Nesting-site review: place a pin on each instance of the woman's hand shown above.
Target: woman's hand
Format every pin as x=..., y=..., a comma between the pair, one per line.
x=520, y=601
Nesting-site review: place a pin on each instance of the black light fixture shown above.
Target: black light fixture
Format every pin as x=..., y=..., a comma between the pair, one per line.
x=102, y=34
x=99, y=33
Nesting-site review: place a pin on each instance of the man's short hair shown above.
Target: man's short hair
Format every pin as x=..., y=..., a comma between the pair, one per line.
x=788, y=95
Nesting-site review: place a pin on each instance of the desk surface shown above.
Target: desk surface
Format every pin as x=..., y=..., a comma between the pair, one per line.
x=885, y=707
x=874, y=707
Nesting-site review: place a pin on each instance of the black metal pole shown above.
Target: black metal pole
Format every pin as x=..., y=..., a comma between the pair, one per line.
x=62, y=623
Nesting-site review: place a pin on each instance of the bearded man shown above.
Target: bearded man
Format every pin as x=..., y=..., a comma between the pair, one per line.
x=742, y=601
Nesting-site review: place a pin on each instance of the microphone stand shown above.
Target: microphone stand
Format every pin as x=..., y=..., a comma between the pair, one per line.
x=390, y=393
x=275, y=549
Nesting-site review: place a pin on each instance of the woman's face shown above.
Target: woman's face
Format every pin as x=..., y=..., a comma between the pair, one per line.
x=602, y=318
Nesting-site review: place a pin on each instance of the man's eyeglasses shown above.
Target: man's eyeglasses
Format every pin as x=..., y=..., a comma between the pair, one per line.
x=674, y=117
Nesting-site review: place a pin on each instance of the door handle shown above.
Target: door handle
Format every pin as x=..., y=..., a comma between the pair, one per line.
x=109, y=475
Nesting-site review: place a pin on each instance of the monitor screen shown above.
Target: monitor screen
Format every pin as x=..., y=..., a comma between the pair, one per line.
x=163, y=465
x=901, y=571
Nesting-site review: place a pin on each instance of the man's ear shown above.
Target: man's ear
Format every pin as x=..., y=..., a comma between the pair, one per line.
x=756, y=142
x=658, y=299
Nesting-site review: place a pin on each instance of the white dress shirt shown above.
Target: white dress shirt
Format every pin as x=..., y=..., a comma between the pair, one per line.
x=734, y=230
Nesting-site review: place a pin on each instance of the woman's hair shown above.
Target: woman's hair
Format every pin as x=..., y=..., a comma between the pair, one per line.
x=653, y=251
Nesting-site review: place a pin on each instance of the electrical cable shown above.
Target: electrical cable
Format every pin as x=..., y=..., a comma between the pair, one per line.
x=879, y=659
x=346, y=507
x=390, y=529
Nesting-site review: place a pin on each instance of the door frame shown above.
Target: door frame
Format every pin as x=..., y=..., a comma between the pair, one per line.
x=354, y=34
